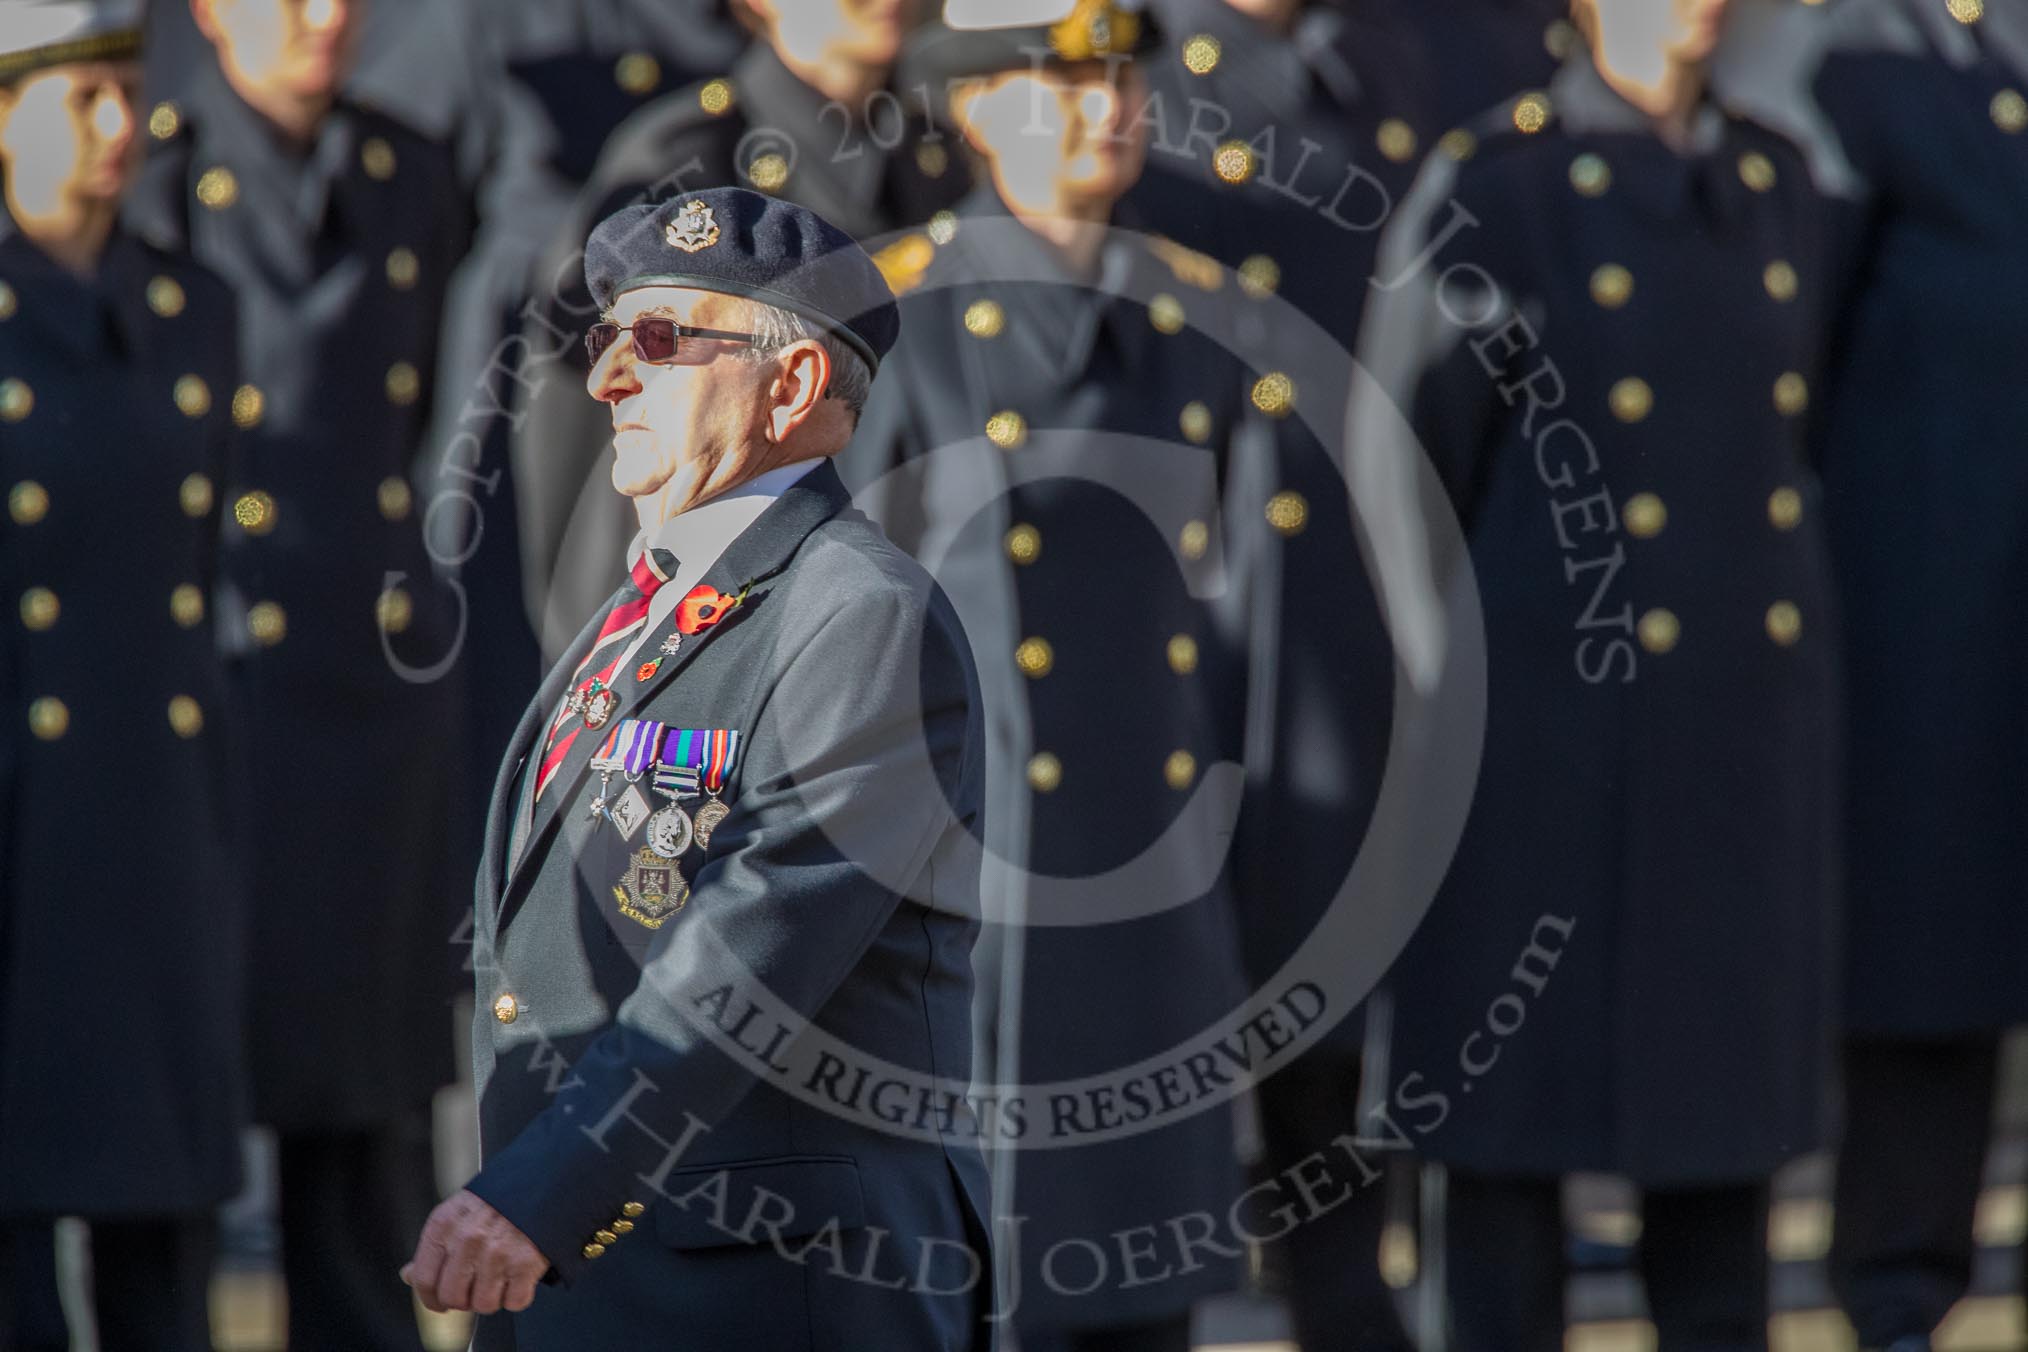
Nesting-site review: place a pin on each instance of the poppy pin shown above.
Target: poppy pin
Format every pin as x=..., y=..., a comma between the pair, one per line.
x=703, y=607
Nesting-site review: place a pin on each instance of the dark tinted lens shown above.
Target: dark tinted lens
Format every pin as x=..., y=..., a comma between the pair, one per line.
x=598, y=338
x=654, y=339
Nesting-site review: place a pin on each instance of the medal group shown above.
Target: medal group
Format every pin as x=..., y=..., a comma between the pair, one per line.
x=679, y=764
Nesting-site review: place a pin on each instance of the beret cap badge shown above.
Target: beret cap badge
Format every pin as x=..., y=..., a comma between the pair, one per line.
x=693, y=229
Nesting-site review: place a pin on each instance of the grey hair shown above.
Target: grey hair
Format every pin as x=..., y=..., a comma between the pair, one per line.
x=775, y=329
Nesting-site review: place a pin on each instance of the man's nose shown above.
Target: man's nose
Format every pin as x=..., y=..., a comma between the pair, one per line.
x=612, y=377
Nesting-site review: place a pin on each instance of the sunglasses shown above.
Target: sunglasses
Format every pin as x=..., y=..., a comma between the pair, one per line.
x=660, y=341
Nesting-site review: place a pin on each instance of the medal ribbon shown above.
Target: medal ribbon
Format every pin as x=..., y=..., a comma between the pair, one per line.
x=712, y=752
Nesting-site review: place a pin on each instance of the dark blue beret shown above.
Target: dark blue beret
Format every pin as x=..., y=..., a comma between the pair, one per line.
x=745, y=243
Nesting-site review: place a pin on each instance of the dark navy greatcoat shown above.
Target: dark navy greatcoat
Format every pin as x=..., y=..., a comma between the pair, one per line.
x=1622, y=430
x=1049, y=448
x=339, y=252
x=1479, y=52
x=757, y=126
x=122, y=1082
x=1331, y=115
x=1927, y=504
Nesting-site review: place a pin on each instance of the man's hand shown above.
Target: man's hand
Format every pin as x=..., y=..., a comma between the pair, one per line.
x=471, y=1257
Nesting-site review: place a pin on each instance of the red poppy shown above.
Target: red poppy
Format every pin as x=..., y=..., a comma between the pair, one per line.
x=702, y=608
x=647, y=669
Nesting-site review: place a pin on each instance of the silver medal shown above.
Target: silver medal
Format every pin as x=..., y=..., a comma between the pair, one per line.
x=670, y=832
x=629, y=812
x=709, y=815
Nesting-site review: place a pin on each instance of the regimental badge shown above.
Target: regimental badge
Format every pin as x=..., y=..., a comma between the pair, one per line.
x=672, y=644
x=598, y=706
x=651, y=890
x=693, y=229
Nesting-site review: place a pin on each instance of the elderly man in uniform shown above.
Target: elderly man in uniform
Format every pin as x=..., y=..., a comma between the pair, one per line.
x=338, y=227
x=1601, y=317
x=799, y=893
x=112, y=342
x=806, y=115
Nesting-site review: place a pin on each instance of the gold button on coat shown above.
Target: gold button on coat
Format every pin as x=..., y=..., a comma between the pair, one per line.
x=16, y=400
x=1287, y=512
x=1659, y=630
x=8, y=302
x=506, y=1009
x=1180, y=770
x=376, y=156
x=1024, y=544
x=402, y=268
x=1007, y=429
x=403, y=384
x=1631, y=399
x=27, y=502
x=1531, y=113
x=217, y=189
x=1396, y=140
x=1784, y=623
x=1274, y=394
x=1182, y=654
x=2010, y=112
x=1035, y=657
x=48, y=718
x=1780, y=280
x=632, y=1209
x=1645, y=516
x=622, y=1227
x=255, y=512
x=1791, y=395
x=768, y=172
x=395, y=497
x=1045, y=772
x=1785, y=508
x=606, y=1237
x=195, y=495
x=39, y=608
x=248, y=406
x=1193, y=540
x=1612, y=286
x=165, y=297
x=186, y=718
x=192, y=396
x=1260, y=276
x=1590, y=175
x=1757, y=171
x=268, y=623
x=715, y=97
x=1165, y=312
x=1201, y=53
x=163, y=120
x=186, y=606
x=637, y=73
x=594, y=1250
x=1195, y=422
x=1233, y=162
x=985, y=319
x=394, y=610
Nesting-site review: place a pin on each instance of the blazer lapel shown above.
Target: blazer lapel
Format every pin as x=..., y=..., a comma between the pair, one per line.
x=535, y=721
x=761, y=551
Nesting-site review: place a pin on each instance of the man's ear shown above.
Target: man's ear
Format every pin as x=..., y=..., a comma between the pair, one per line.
x=805, y=375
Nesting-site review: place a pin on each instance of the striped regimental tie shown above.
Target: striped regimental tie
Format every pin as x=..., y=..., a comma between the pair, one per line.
x=654, y=568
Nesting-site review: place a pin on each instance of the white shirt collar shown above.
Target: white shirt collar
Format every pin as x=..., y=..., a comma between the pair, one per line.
x=698, y=536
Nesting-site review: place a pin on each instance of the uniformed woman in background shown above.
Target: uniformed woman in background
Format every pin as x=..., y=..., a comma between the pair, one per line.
x=121, y=1089
x=1598, y=310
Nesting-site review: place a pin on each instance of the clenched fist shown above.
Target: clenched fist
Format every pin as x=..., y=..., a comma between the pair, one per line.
x=471, y=1257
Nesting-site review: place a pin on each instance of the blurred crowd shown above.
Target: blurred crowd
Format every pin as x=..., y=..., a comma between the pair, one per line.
x=1495, y=528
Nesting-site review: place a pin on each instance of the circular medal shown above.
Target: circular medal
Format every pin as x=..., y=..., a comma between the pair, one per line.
x=599, y=706
x=670, y=832
x=709, y=815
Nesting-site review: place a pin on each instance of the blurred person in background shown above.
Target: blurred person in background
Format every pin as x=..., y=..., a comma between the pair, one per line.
x=339, y=227
x=1049, y=436
x=1284, y=135
x=122, y=1086
x=810, y=114
x=1601, y=313
x=1481, y=52
x=1926, y=502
